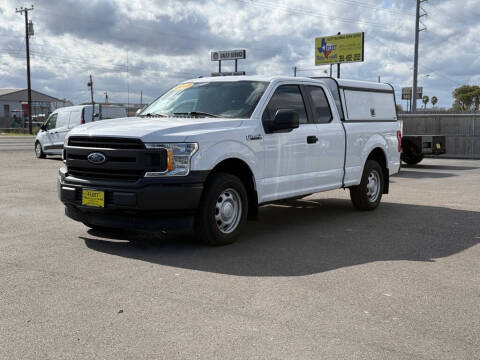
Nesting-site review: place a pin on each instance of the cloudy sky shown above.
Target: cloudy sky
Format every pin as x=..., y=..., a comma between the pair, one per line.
x=168, y=41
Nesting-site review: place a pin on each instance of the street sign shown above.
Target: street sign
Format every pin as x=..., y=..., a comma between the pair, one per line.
x=407, y=93
x=338, y=49
x=228, y=73
x=228, y=55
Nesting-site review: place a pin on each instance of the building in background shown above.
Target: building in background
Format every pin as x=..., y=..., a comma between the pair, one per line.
x=130, y=108
x=14, y=106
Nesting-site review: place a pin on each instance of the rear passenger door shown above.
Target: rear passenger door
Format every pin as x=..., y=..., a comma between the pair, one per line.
x=328, y=152
x=288, y=170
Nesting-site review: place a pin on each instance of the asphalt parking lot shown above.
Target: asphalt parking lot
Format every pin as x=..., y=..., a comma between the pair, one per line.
x=313, y=279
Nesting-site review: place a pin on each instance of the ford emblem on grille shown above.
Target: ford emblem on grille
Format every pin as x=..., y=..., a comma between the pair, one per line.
x=96, y=158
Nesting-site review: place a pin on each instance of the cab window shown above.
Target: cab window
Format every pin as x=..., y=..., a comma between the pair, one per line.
x=286, y=97
x=321, y=109
x=51, y=122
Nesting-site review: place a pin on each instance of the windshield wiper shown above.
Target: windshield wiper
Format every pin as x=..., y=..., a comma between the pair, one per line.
x=196, y=113
x=154, y=115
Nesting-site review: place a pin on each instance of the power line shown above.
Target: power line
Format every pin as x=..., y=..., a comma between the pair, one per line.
x=309, y=12
x=88, y=67
x=438, y=73
x=78, y=62
x=372, y=7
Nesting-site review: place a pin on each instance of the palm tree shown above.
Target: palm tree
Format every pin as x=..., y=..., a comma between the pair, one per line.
x=434, y=101
x=425, y=101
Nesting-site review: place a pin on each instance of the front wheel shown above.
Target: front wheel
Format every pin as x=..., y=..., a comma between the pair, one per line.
x=223, y=210
x=368, y=194
x=38, y=151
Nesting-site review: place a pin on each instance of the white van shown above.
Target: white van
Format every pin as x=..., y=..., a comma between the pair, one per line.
x=50, y=138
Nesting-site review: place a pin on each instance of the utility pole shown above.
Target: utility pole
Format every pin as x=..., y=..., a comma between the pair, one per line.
x=295, y=71
x=141, y=98
x=106, y=97
x=90, y=85
x=27, y=45
x=415, y=59
x=338, y=65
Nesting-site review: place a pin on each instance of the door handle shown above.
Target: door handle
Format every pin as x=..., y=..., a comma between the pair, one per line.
x=312, y=139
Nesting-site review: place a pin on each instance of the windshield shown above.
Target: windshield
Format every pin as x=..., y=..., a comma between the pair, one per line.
x=228, y=99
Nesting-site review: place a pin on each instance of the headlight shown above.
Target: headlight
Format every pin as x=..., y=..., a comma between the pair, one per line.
x=178, y=158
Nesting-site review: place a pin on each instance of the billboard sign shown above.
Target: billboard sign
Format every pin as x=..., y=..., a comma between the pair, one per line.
x=338, y=49
x=228, y=55
x=407, y=93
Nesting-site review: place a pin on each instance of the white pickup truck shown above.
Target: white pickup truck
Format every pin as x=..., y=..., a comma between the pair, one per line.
x=210, y=151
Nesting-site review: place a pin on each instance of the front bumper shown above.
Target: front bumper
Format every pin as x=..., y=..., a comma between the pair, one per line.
x=148, y=204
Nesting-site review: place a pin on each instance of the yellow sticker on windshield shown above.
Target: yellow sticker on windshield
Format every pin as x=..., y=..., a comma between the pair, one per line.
x=183, y=86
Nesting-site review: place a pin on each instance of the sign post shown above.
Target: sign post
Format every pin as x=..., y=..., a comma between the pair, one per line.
x=228, y=55
x=338, y=49
x=407, y=94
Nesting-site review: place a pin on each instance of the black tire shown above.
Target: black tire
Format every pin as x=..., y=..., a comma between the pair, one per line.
x=410, y=155
x=38, y=151
x=361, y=198
x=227, y=192
x=411, y=159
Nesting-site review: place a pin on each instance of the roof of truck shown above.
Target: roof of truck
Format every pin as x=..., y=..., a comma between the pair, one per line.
x=341, y=82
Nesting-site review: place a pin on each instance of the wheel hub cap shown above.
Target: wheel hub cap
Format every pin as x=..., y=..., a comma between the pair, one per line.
x=228, y=211
x=373, y=186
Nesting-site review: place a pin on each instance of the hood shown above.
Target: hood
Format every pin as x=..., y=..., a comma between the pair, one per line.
x=173, y=129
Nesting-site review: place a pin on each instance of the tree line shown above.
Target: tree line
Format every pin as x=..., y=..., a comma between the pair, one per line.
x=466, y=98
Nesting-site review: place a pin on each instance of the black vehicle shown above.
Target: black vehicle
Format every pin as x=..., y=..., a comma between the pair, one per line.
x=415, y=147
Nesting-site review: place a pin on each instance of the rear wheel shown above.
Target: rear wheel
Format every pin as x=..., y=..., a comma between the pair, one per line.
x=38, y=151
x=411, y=159
x=410, y=155
x=368, y=194
x=223, y=210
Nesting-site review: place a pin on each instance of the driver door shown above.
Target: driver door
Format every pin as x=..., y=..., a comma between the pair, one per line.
x=48, y=136
x=289, y=169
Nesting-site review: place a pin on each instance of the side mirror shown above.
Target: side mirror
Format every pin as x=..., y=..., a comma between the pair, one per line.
x=285, y=119
x=43, y=127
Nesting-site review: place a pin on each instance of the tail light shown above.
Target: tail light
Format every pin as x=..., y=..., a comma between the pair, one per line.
x=399, y=139
x=82, y=121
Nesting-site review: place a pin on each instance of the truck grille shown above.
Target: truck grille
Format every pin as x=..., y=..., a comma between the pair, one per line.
x=126, y=159
x=105, y=142
x=105, y=174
